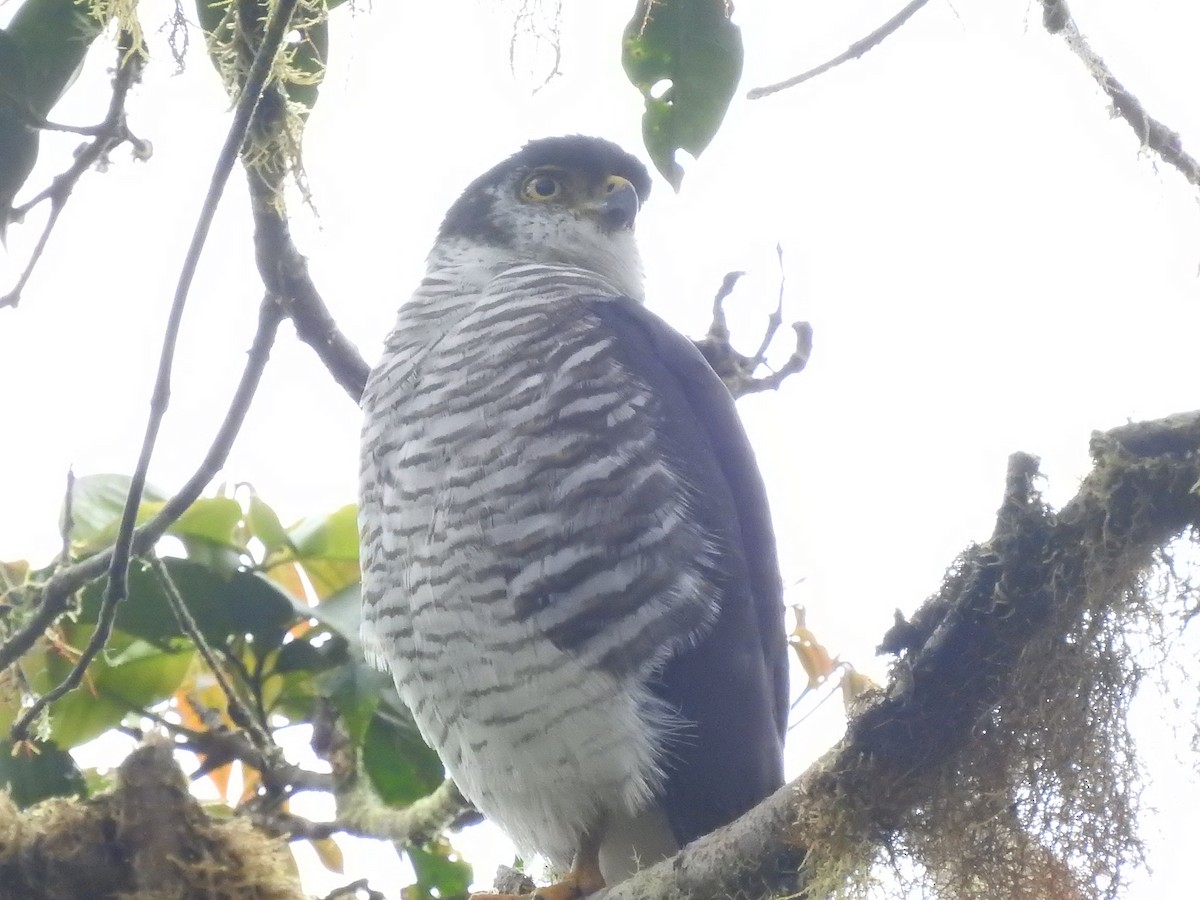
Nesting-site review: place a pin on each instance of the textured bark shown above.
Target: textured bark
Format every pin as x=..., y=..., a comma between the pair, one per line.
x=961, y=652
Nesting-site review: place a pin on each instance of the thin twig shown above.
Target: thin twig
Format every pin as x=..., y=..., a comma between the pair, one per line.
x=123, y=548
x=776, y=318
x=256, y=79
x=58, y=590
x=718, y=329
x=109, y=134
x=224, y=745
x=854, y=51
x=736, y=369
x=238, y=710
x=81, y=130
x=67, y=525
x=1057, y=19
x=795, y=363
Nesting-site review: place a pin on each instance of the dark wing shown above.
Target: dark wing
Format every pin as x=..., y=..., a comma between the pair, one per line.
x=732, y=687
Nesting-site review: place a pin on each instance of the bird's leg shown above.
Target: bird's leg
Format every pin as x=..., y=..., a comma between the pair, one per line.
x=583, y=879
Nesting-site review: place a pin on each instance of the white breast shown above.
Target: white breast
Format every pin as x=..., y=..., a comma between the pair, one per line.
x=543, y=741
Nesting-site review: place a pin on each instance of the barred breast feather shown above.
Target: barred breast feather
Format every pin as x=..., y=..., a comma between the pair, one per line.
x=531, y=552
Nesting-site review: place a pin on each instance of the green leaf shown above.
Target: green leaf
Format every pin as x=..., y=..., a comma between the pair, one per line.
x=357, y=691
x=40, y=53
x=97, y=502
x=18, y=138
x=440, y=871
x=129, y=674
x=138, y=677
x=223, y=560
x=342, y=614
x=334, y=536
x=210, y=532
x=327, y=548
x=53, y=37
x=39, y=771
x=214, y=519
x=265, y=526
x=685, y=56
x=300, y=655
x=402, y=769
x=241, y=603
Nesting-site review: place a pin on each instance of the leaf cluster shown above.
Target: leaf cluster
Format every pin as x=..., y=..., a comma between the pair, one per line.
x=276, y=607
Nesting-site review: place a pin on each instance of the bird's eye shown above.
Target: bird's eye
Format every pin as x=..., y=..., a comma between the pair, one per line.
x=541, y=187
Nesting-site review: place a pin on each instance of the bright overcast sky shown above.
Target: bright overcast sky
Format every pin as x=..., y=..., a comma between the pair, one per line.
x=988, y=262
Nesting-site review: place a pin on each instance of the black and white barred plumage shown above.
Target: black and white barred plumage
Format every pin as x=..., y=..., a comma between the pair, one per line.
x=568, y=565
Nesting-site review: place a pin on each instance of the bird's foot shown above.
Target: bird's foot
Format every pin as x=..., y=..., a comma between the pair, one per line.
x=577, y=883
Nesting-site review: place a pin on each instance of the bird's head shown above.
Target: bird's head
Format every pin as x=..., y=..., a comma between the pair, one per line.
x=561, y=200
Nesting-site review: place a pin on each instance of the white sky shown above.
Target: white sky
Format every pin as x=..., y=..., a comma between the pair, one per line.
x=988, y=261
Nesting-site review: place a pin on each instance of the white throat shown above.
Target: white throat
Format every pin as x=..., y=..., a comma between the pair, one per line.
x=472, y=265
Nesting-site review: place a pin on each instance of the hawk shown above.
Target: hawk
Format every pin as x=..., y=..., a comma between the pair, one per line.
x=568, y=561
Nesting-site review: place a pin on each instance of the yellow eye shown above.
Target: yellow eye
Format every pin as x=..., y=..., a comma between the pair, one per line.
x=541, y=187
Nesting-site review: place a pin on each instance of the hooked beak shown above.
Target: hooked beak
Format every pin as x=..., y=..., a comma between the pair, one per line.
x=616, y=204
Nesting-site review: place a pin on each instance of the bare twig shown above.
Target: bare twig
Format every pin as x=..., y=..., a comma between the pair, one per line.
x=854, y=51
x=67, y=525
x=109, y=134
x=220, y=745
x=123, y=548
x=718, y=330
x=776, y=318
x=256, y=79
x=238, y=711
x=736, y=369
x=1153, y=134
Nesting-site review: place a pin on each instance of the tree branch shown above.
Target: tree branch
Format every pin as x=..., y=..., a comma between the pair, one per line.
x=963, y=651
x=56, y=592
x=108, y=135
x=256, y=731
x=219, y=746
x=285, y=271
x=854, y=51
x=360, y=811
x=736, y=369
x=123, y=548
x=416, y=823
x=1153, y=134
x=256, y=79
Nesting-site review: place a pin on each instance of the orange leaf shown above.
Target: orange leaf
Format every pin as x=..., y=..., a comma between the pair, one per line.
x=330, y=855
x=251, y=781
x=818, y=665
x=195, y=705
x=287, y=576
x=12, y=574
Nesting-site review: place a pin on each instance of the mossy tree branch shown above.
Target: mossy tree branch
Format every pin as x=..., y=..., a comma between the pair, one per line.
x=1021, y=594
